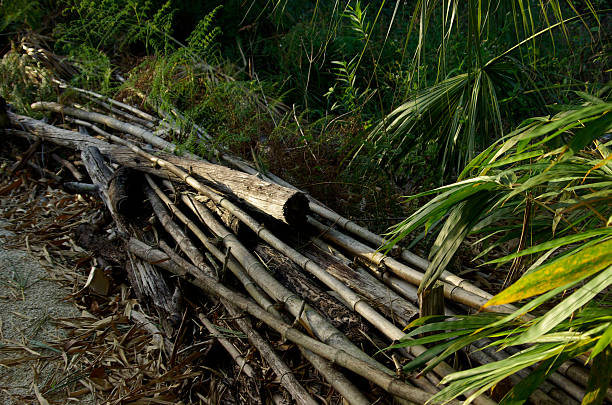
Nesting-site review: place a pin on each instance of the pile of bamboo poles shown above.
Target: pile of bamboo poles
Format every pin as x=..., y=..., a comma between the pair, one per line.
x=306, y=272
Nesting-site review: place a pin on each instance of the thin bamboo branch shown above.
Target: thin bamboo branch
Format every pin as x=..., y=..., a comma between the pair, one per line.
x=331, y=353
x=228, y=346
x=286, y=377
x=69, y=166
x=173, y=229
x=98, y=96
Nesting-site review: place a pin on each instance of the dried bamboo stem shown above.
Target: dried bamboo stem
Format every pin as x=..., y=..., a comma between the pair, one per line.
x=98, y=96
x=69, y=166
x=173, y=229
x=409, y=274
x=335, y=355
x=309, y=317
x=334, y=377
x=108, y=121
x=228, y=346
x=286, y=377
x=410, y=258
x=250, y=264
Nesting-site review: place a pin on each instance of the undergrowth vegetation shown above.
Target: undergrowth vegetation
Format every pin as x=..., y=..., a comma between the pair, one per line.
x=504, y=106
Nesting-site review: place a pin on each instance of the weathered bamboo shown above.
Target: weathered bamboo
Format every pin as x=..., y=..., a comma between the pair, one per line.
x=365, y=284
x=110, y=122
x=279, y=202
x=173, y=230
x=228, y=346
x=334, y=377
x=378, y=241
x=309, y=317
x=409, y=274
x=94, y=95
x=286, y=377
x=291, y=276
x=348, y=295
x=331, y=353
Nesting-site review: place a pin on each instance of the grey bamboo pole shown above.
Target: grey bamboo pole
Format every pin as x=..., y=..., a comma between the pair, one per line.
x=321, y=327
x=94, y=95
x=228, y=346
x=230, y=240
x=331, y=353
x=311, y=318
x=337, y=380
x=452, y=292
x=282, y=371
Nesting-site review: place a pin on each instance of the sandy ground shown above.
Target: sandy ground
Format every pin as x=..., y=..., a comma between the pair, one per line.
x=29, y=305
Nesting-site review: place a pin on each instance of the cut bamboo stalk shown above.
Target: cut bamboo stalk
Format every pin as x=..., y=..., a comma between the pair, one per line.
x=309, y=317
x=177, y=234
x=334, y=377
x=348, y=295
x=331, y=353
x=378, y=241
x=110, y=122
x=98, y=96
x=286, y=377
x=291, y=276
x=409, y=274
x=365, y=284
x=228, y=346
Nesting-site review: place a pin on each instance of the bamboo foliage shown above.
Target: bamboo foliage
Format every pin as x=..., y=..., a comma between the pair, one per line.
x=568, y=189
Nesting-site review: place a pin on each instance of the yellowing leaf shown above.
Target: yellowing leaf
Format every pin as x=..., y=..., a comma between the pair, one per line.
x=560, y=272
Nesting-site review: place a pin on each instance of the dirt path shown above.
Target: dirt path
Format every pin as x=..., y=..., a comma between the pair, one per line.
x=30, y=305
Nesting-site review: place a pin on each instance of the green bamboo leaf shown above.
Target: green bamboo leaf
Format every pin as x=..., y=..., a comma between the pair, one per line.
x=566, y=307
x=581, y=264
x=521, y=391
x=604, y=341
x=426, y=356
x=589, y=133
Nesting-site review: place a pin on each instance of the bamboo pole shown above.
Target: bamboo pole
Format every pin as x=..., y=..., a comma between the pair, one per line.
x=228, y=346
x=331, y=353
x=409, y=257
x=111, y=122
x=286, y=377
x=340, y=383
x=409, y=274
x=146, y=278
x=310, y=318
